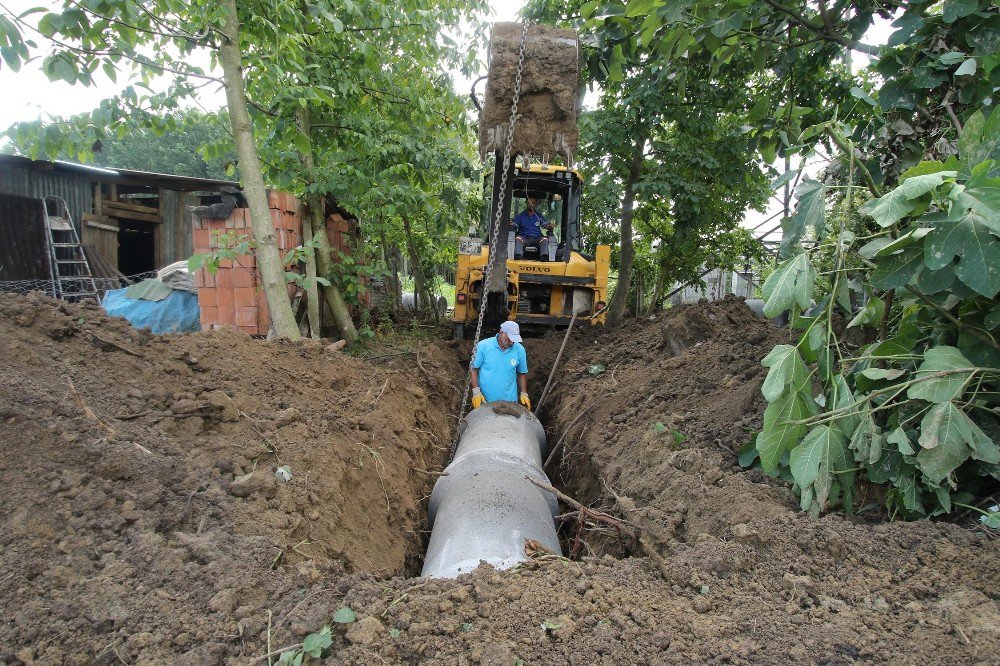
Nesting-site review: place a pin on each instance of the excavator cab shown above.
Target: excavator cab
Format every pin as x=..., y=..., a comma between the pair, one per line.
x=541, y=290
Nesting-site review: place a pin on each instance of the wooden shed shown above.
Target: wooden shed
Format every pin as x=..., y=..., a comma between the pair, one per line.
x=131, y=222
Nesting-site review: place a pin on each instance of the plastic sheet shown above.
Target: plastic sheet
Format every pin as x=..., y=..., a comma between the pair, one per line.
x=177, y=313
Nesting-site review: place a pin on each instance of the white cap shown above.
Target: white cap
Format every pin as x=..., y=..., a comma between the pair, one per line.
x=512, y=330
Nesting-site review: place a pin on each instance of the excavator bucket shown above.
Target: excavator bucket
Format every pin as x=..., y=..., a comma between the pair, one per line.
x=550, y=100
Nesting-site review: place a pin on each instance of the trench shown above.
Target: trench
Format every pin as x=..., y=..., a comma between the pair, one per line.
x=578, y=478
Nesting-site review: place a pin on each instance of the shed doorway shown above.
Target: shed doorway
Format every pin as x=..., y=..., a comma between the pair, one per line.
x=136, y=246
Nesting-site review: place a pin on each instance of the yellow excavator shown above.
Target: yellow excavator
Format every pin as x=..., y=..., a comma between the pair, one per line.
x=535, y=70
x=544, y=290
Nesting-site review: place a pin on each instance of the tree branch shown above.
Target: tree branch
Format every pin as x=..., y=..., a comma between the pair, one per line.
x=801, y=20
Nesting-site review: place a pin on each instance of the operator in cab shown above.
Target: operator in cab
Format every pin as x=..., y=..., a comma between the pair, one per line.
x=531, y=230
x=500, y=368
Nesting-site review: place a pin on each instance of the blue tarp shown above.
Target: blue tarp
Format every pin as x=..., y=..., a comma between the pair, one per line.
x=177, y=313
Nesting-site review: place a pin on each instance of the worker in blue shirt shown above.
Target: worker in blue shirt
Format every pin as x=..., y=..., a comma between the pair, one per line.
x=500, y=368
x=528, y=226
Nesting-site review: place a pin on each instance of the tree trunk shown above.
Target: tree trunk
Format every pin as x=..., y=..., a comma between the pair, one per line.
x=338, y=306
x=661, y=283
x=314, y=204
x=420, y=296
x=312, y=287
x=272, y=272
x=619, y=302
x=389, y=254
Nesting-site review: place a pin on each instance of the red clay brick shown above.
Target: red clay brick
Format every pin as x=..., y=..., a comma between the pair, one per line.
x=243, y=277
x=199, y=279
x=225, y=298
x=246, y=316
x=224, y=278
x=209, y=315
x=202, y=240
x=207, y=297
x=208, y=278
x=244, y=297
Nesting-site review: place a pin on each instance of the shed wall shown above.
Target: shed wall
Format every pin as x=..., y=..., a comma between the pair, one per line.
x=78, y=192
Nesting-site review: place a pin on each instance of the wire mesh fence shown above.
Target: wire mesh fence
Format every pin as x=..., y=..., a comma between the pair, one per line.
x=45, y=286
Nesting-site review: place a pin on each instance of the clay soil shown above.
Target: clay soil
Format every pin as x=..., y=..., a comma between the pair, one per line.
x=133, y=533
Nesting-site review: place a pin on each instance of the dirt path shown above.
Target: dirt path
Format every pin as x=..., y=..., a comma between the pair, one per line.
x=143, y=522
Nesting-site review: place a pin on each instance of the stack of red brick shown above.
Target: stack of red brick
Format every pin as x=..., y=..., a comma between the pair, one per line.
x=233, y=296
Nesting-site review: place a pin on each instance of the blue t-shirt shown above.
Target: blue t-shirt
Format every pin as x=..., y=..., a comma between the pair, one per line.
x=530, y=226
x=498, y=369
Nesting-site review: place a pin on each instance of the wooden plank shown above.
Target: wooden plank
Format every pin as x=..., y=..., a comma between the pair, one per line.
x=102, y=227
x=148, y=210
x=131, y=215
x=100, y=219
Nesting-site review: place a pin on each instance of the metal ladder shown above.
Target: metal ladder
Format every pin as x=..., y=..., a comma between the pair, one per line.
x=68, y=265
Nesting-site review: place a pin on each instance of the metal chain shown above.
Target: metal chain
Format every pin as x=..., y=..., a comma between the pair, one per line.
x=494, y=237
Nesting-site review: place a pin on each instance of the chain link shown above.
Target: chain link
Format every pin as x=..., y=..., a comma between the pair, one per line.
x=495, y=235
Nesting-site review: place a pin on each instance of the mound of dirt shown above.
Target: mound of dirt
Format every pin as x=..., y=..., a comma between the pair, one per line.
x=143, y=518
x=144, y=523
x=730, y=572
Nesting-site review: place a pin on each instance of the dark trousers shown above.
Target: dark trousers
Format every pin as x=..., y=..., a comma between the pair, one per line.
x=540, y=242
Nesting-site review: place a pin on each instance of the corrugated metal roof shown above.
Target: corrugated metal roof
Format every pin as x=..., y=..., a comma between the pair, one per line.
x=150, y=178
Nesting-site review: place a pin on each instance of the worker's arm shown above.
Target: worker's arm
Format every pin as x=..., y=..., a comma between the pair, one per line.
x=477, y=395
x=522, y=386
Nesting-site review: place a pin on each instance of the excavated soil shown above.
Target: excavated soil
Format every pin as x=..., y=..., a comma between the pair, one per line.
x=549, y=101
x=142, y=519
x=166, y=555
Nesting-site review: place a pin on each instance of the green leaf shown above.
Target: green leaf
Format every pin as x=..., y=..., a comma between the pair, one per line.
x=979, y=252
x=344, y=616
x=984, y=201
x=891, y=208
x=931, y=282
x=951, y=58
x=862, y=95
x=896, y=271
x=778, y=435
x=956, y=9
x=786, y=368
x=790, y=284
x=871, y=314
x=395, y=633
x=917, y=186
x=640, y=7
x=866, y=440
x=615, y=66
x=748, y=454
x=842, y=398
x=968, y=68
x=943, y=388
x=901, y=440
x=896, y=94
x=883, y=373
x=817, y=459
x=906, y=25
x=992, y=319
x=314, y=644
x=945, y=436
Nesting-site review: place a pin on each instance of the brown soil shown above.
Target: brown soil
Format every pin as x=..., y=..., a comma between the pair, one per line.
x=143, y=518
x=113, y=553
x=549, y=101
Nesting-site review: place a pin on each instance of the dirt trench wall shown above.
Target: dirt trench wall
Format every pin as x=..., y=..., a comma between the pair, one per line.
x=549, y=104
x=137, y=479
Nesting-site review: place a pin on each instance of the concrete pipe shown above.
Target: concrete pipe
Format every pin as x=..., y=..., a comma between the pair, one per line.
x=485, y=508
